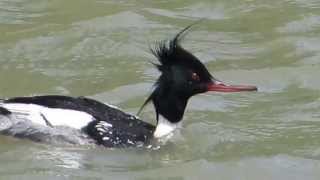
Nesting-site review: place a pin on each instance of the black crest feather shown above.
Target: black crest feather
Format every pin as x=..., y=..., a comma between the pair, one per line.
x=166, y=52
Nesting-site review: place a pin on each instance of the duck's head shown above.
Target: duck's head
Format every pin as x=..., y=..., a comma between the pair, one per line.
x=182, y=76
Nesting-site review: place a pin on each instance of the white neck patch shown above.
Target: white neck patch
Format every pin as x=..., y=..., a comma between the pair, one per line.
x=165, y=127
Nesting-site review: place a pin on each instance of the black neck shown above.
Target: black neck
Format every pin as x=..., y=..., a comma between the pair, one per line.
x=169, y=104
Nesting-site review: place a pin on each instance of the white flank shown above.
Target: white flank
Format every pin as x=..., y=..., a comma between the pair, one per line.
x=55, y=116
x=165, y=127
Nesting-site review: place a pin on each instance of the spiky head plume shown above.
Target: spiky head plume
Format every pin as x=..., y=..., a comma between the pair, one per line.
x=172, y=56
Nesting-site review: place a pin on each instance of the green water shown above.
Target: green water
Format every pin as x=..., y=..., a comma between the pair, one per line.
x=100, y=49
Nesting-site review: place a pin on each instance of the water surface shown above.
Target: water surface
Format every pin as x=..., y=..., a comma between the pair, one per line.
x=100, y=49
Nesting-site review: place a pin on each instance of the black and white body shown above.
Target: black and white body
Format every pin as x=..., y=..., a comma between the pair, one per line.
x=102, y=123
x=182, y=76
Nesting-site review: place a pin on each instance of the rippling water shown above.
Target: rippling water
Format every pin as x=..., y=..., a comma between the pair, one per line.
x=101, y=49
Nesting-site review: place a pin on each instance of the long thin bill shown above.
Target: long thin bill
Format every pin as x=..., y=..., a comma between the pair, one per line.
x=221, y=87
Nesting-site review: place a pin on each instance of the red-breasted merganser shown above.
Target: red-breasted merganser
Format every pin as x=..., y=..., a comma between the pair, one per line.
x=182, y=76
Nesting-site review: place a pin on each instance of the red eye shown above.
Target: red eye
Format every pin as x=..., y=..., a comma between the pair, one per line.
x=195, y=76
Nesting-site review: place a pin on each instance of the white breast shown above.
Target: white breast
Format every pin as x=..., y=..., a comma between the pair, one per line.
x=55, y=116
x=165, y=128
